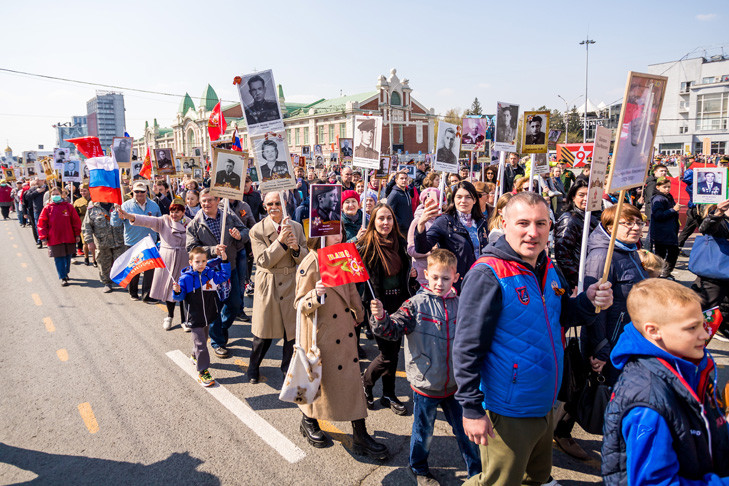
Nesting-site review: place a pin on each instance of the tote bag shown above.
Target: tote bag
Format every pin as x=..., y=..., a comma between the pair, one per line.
x=303, y=378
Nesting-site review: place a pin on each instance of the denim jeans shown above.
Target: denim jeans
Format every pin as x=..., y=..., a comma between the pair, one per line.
x=21, y=216
x=63, y=266
x=241, y=263
x=424, y=412
x=229, y=311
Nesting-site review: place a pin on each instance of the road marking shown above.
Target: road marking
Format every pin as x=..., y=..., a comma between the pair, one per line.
x=163, y=307
x=49, y=324
x=62, y=354
x=28, y=279
x=244, y=366
x=24, y=265
x=401, y=374
x=336, y=434
x=87, y=415
x=36, y=299
x=270, y=435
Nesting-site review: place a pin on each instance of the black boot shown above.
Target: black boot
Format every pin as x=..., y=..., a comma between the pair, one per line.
x=390, y=401
x=365, y=445
x=310, y=429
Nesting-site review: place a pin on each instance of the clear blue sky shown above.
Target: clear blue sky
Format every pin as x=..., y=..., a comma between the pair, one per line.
x=524, y=52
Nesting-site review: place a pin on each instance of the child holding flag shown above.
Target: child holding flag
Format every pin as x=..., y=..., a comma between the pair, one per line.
x=198, y=287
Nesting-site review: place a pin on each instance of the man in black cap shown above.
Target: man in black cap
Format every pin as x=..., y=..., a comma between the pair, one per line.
x=445, y=152
x=367, y=140
x=261, y=110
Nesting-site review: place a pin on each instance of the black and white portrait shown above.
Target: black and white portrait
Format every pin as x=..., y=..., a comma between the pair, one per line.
x=60, y=155
x=197, y=174
x=447, y=147
x=306, y=152
x=165, y=161
x=507, y=117
x=197, y=151
x=317, y=149
x=121, y=147
x=228, y=173
x=554, y=135
x=534, y=138
x=367, y=141
x=325, y=210
x=72, y=170
x=474, y=133
x=273, y=164
x=136, y=169
x=259, y=97
x=709, y=185
x=384, y=171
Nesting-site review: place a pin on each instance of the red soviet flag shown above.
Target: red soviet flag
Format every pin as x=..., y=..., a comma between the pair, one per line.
x=341, y=264
x=90, y=147
x=146, y=171
x=216, y=123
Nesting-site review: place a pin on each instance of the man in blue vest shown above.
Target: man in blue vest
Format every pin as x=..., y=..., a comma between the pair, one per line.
x=508, y=353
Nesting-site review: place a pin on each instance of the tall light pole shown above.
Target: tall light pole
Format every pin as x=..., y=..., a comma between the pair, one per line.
x=586, y=43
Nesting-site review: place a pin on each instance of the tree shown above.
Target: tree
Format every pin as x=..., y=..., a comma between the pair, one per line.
x=475, y=108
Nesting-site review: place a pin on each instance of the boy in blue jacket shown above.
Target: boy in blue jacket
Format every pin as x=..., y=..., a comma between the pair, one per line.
x=429, y=321
x=663, y=424
x=198, y=288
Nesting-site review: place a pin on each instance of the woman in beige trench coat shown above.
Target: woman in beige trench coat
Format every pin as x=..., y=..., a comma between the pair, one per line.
x=278, y=246
x=171, y=229
x=341, y=396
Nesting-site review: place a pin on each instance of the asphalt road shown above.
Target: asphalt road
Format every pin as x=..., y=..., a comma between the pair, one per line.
x=94, y=391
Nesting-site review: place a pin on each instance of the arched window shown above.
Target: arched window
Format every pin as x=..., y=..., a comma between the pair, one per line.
x=395, y=99
x=190, y=141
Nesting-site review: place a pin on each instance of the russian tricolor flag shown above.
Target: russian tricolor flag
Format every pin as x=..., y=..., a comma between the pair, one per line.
x=104, y=184
x=141, y=257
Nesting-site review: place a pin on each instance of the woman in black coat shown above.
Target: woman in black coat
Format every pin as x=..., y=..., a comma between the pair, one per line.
x=384, y=253
x=665, y=225
x=568, y=233
x=461, y=228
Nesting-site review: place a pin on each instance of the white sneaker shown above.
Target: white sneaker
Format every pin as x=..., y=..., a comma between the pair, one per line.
x=167, y=323
x=185, y=326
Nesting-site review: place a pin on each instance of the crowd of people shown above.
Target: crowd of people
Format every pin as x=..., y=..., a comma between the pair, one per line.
x=478, y=290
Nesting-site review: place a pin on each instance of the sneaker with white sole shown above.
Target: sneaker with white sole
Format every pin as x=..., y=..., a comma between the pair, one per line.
x=167, y=323
x=205, y=379
x=185, y=326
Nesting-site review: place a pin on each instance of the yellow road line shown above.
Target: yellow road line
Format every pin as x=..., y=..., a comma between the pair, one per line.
x=87, y=415
x=49, y=324
x=36, y=299
x=335, y=433
x=161, y=306
x=28, y=279
x=62, y=354
x=244, y=366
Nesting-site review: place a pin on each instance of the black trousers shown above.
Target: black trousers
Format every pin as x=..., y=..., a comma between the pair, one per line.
x=6, y=211
x=146, y=284
x=712, y=292
x=668, y=253
x=692, y=222
x=384, y=365
x=171, y=310
x=259, y=348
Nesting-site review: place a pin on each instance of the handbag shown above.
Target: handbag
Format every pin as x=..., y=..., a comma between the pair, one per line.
x=593, y=401
x=303, y=378
x=574, y=374
x=710, y=257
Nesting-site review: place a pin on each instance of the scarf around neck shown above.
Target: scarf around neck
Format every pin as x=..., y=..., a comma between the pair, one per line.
x=387, y=249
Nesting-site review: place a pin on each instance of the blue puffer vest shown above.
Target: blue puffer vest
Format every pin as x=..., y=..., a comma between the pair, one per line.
x=522, y=372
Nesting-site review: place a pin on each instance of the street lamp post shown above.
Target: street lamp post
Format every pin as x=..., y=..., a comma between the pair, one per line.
x=586, y=43
x=566, y=116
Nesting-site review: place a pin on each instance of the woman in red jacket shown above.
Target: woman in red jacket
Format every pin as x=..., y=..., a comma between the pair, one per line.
x=60, y=226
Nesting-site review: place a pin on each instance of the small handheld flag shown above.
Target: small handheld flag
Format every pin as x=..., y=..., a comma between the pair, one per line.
x=141, y=257
x=341, y=264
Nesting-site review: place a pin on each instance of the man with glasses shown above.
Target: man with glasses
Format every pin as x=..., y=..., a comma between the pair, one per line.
x=140, y=204
x=279, y=245
x=205, y=230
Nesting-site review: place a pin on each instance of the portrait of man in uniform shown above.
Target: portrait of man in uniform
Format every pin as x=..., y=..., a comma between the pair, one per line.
x=60, y=158
x=326, y=209
x=366, y=147
x=446, y=150
x=122, y=148
x=164, y=159
x=271, y=166
x=474, y=131
x=258, y=97
x=507, y=117
x=535, y=135
x=345, y=147
x=228, y=177
x=710, y=184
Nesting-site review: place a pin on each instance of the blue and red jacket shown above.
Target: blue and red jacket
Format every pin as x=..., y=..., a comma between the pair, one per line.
x=508, y=350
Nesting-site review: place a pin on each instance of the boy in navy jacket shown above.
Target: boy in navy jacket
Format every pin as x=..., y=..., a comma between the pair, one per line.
x=663, y=424
x=198, y=287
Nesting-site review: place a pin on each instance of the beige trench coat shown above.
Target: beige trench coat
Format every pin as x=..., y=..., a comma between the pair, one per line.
x=273, y=299
x=341, y=396
x=172, y=250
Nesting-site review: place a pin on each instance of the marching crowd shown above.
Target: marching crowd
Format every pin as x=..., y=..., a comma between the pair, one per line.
x=479, y=291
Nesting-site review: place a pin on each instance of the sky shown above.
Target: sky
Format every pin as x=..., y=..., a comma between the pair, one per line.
x=523, y=52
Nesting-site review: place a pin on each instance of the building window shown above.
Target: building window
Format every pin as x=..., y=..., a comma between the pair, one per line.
x=395, y=99
x=321, y=134
x=288, y=137
x=685, y=86
x=419, y=133
x=331, y=133
x=342, y=130
x=712, y=111
x=297, y=135
x=306, y=135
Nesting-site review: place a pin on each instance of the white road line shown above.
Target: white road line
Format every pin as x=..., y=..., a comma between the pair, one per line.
x=246, y=414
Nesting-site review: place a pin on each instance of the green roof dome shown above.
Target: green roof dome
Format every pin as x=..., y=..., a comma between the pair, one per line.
x=209, y=99
x=186, y=104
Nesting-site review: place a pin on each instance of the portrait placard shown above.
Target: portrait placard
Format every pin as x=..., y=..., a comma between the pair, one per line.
x=507, y=117
x=367, y=141
x=9, y=174
x=346, y=150
x=164, y=161
x=644, y=94
x=534, y=132
x=384, y=171
x=136, y=169
x=474, y=133
x=38, y=169
x=410, y=169
x=273, y=163
x=448, y=147
x=541, y=164
x=306, y=152
x=706, y=146
x=710, y=185
x=228, y=173
x=189, y=163
x=325, y=210
x=197, y=174
x=197, y=151
x=72, y=171
x=598, y=168
x=60, y=156
x=259, y=97
x=121, y=150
